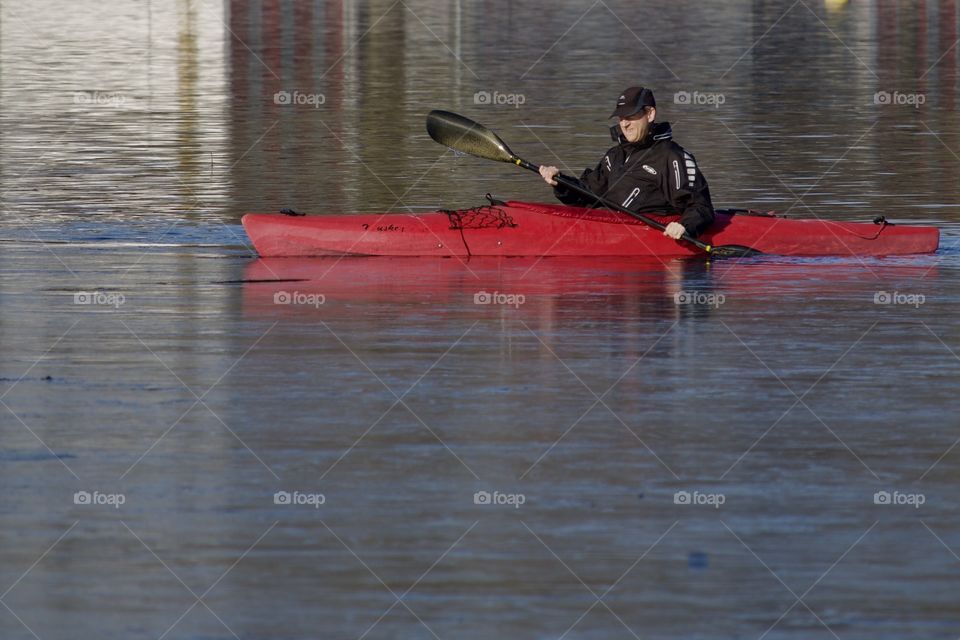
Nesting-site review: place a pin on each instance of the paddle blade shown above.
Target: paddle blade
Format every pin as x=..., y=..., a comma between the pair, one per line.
x=463, y=134
x=734, y=251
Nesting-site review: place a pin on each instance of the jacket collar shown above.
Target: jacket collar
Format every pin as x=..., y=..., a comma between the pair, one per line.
x=658, y=132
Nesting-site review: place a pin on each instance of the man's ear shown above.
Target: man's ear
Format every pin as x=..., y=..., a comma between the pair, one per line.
x=652, y=114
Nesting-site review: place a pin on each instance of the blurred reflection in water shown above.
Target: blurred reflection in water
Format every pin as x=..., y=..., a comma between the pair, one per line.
x=134, y=135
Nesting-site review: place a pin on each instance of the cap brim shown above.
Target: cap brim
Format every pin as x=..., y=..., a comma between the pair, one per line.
x=625, y=112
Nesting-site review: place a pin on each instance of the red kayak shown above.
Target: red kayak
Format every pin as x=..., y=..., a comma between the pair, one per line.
x=535, y=229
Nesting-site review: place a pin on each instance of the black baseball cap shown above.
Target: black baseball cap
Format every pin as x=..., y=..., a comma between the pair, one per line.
x=633, y=100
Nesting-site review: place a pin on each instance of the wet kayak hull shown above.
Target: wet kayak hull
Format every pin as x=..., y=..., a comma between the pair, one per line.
x=532, y=229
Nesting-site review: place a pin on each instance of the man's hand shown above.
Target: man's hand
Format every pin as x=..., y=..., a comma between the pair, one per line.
x=549, y=173
x=674, y=230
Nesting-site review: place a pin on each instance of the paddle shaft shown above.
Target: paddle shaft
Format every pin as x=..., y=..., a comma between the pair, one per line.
x=570, y=183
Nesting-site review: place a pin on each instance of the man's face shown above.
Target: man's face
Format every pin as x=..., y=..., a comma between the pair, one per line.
x=635, y=127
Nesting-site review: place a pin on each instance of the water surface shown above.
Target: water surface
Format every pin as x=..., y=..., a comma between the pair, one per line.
x=681, y=449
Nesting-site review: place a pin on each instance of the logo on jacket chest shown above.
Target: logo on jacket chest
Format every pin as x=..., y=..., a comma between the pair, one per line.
x=649, y=169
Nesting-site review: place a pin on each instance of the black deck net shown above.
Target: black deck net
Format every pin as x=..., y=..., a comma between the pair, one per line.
x=483, y=217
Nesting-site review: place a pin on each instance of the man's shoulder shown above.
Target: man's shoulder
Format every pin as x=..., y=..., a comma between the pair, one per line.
x=672, y=147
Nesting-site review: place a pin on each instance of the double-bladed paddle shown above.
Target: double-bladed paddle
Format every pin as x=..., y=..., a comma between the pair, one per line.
x=460, y=133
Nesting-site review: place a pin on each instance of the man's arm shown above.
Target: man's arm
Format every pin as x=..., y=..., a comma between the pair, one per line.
x=686, y=189
x=594, y=180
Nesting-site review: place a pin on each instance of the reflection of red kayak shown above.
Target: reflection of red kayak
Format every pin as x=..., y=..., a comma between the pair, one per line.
x=531, y=229
x=334, y=288
x=585, y=289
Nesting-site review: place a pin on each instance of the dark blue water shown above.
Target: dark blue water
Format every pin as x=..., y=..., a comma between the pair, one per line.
x=195, y=443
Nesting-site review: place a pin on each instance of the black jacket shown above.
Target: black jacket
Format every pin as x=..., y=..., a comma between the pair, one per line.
x=653, y=176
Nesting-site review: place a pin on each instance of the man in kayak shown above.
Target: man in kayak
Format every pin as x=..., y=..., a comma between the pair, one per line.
x=647, y=171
